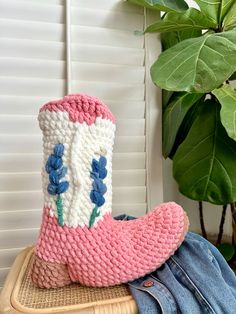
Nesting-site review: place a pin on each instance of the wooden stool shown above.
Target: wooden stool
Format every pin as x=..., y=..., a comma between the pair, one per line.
x=20, y=296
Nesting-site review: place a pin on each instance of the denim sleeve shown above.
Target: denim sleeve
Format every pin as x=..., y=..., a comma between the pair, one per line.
x=218, y=261
x=145, y=302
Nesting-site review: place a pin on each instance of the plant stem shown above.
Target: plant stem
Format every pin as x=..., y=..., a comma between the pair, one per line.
x=59, y=210
x=221, y=228
x=94, y=215
x=204, y=234
x=233, y=212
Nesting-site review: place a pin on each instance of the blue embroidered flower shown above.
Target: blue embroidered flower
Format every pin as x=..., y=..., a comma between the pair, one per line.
x=99, y=186
x=56, y=171
x=97, y=198
x=98, y=173
x=99, y=168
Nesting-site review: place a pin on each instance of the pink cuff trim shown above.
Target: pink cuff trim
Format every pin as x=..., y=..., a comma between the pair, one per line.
x=81, y=108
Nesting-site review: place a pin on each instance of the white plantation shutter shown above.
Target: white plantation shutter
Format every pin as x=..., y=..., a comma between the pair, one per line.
x=107, y=61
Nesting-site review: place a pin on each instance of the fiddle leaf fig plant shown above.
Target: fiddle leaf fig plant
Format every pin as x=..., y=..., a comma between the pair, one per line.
x=195, y=71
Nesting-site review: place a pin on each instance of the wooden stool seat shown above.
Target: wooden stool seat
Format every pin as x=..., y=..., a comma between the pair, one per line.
x=19, y=295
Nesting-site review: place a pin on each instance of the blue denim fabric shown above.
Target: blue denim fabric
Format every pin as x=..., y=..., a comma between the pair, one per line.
x=195, y=280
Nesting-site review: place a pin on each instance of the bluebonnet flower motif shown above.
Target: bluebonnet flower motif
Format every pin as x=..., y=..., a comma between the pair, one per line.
x=98, y=173
x=99, y=168
x=56, y=171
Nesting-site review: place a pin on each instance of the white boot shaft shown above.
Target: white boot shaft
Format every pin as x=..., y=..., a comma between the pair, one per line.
x=84, y=146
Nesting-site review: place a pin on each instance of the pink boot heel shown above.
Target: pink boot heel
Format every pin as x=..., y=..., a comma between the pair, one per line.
x=49, y=275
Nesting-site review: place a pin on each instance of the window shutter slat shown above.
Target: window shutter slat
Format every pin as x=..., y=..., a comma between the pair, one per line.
x=33, y=162
x=111, y=5
x=7, y=256
x=32, y=181
x=11, y=28
x=3, y=273
x=22, y=124
x=35, y=49
x=22, y=144
x=29, y=48
x=12, y=220
x=29, y=105
x=17, y=238
x=21, y=200
x=108, y=61
x=21, y=10
x=54, y=13
x=49, y=69
x=31, y=87
x=46, y=87
x=55, y=32
x=123, y=92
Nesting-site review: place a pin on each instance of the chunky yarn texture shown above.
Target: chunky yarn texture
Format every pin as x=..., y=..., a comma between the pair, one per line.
x=79, y=241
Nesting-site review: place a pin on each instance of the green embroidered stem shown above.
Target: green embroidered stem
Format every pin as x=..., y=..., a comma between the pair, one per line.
x=94, y=215
x=59, y=210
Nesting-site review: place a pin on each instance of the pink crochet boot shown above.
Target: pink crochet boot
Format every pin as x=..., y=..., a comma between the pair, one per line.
x=79, y=240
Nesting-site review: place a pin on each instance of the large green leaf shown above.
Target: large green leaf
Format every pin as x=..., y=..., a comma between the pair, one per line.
x=227, y=250
x=173, y=116
x=166, y=96
x=205, y=163
x=172, y=38
x=230, y=18
x=227, y=98
x=186, y=125
x=215, y=9
x=225, y=7
x=210, y=8
x=162, y=5
x=197, y=65
x=177, y=21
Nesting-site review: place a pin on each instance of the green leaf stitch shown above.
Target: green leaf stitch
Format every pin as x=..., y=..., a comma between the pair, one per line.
x=94, y=215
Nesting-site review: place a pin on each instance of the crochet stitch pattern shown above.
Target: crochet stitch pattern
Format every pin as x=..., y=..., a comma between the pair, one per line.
x=91, y=247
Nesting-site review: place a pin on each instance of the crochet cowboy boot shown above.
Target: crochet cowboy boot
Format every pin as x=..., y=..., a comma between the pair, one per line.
x=79, y=241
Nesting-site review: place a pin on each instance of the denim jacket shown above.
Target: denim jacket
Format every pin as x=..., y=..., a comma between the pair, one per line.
x=195, y=280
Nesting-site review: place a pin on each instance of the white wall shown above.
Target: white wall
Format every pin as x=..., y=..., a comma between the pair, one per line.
x=192, y=3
